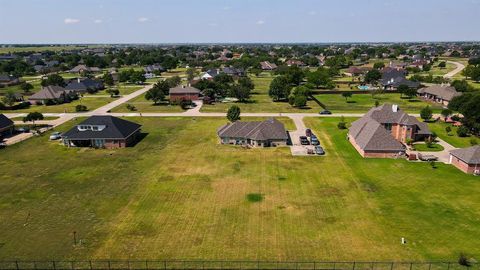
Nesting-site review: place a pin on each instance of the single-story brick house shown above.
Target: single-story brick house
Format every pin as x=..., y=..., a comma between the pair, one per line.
x=183, y=92
x=266, y=133
x=102, y=132
x=439, y=93
x=6, y=126
x=52, y=93
x=466, y=159
x=268, y=66
x=384, y=131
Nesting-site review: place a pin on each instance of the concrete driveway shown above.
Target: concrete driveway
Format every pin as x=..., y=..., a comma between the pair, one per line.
x=444, y=155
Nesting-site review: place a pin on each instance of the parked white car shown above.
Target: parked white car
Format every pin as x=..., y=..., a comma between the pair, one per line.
x=55, y=136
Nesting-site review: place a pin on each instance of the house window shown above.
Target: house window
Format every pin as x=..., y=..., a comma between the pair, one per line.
x=388, y=126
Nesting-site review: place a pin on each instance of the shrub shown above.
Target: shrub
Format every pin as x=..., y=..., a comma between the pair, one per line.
x=233, y=113
x=81, y=108
x=342, y=125
x=462, y=131
x=254, y=197
x=131, y=107
x=464, y=261
x=448, y=129
x=473, y=142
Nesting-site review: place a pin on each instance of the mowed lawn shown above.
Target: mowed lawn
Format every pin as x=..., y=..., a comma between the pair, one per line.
x=452, y=137
x=180, y=194
x=143, y=105
x=91, y=102
x=261, y=102
x=360, y=103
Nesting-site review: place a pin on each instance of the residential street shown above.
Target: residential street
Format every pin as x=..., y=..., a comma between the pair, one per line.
x=454, y=72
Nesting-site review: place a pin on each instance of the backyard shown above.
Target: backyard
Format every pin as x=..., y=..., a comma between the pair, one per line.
x=180, y=194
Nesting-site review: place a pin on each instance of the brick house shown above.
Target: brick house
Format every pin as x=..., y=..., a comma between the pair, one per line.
x=467, y=159
x=6, y=126
x=384, y=131
x=183, y=92
x=102, y=132
x=266, y=133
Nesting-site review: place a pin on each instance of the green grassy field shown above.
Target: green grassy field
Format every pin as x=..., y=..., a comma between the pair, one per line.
x=143, y=105
x=179, y=194
x=261, y=102
x=363, y=102
x=91, y=103
x=6, y=50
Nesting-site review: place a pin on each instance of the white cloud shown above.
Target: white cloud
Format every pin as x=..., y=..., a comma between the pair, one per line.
x=71, y=21
x=97, y=21
x=260, y=22
x=142, y=19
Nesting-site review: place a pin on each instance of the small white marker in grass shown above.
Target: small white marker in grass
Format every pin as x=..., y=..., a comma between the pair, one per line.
x=404, y=241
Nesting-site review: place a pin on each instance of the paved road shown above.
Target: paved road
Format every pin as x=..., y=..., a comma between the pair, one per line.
x=454, y=72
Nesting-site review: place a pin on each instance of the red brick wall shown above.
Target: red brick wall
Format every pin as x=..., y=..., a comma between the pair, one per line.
x=367, y=154
x=179, y=97
x=464, y=167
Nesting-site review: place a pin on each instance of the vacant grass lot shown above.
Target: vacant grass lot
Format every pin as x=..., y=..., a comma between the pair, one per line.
x=261, y=102
x=143, y=105
x=179, y=194
x=91, y=103
x=359, y=103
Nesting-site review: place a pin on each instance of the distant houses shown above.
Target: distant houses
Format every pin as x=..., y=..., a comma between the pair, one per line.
x=294, y=62
x=183, y=93
x=6, y=80
x=84, y=68
x=467, y=160
x=265, y=65
x=384, y=131
x=212, y=73
x=103, y=132
x=439, y=93
x=81, y=86
x=266, y=133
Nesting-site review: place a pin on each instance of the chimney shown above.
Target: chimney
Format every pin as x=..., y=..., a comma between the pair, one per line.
x=395, y=108
x=183, y=86
x=78, y=80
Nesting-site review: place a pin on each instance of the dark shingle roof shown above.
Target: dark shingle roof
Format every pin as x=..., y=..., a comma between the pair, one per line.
x=115, y=128
x=5, y=121
x=369, y=131
x=270, y=129
x=470, y=155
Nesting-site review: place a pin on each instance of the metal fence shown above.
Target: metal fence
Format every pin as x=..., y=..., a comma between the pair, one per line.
x=184, y=264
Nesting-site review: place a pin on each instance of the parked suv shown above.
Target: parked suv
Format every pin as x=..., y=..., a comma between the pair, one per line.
x=314, y=140
x=308, y=132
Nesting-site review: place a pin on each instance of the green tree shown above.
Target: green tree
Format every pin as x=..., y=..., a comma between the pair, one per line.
x=347, y=95
x=32, y=117
x=241, y=92
x=247, y=83
x=279, y=88
x=372, y=76
x=155, y=94
x=300, y=101
x=410, y=92
x=54, y=79
x=378, y=65
x=442, y=64
x=233, y=113
x=448, y=129
x=402, y=89
x=113, y=92
x=446, y=113
x=462, y=131
x=426, y=113
x=81, y=108
x=26, y=87
x=108, y=79
x=191, y=72
x=9, y=99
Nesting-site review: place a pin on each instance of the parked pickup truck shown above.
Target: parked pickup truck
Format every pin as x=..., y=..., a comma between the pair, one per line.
x=427, y=157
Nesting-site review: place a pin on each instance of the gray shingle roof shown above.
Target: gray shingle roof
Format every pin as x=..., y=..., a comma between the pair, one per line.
x=270, y=129
x=115, y=128
x=49, y=92
x=5, y=121
x=444, y=92
x=470, y=155
x=184, y=90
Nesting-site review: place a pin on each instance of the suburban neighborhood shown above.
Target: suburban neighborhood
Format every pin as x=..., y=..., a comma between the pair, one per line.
x=248, y=143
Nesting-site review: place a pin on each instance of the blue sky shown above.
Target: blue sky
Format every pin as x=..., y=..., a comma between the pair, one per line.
x=184, y=21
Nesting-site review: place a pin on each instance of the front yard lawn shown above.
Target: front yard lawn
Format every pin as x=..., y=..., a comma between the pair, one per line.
x=143, y=105
x=360, y=103
x=180, y=194
x=452, y=137
x=92, y=103
x=422, y=147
